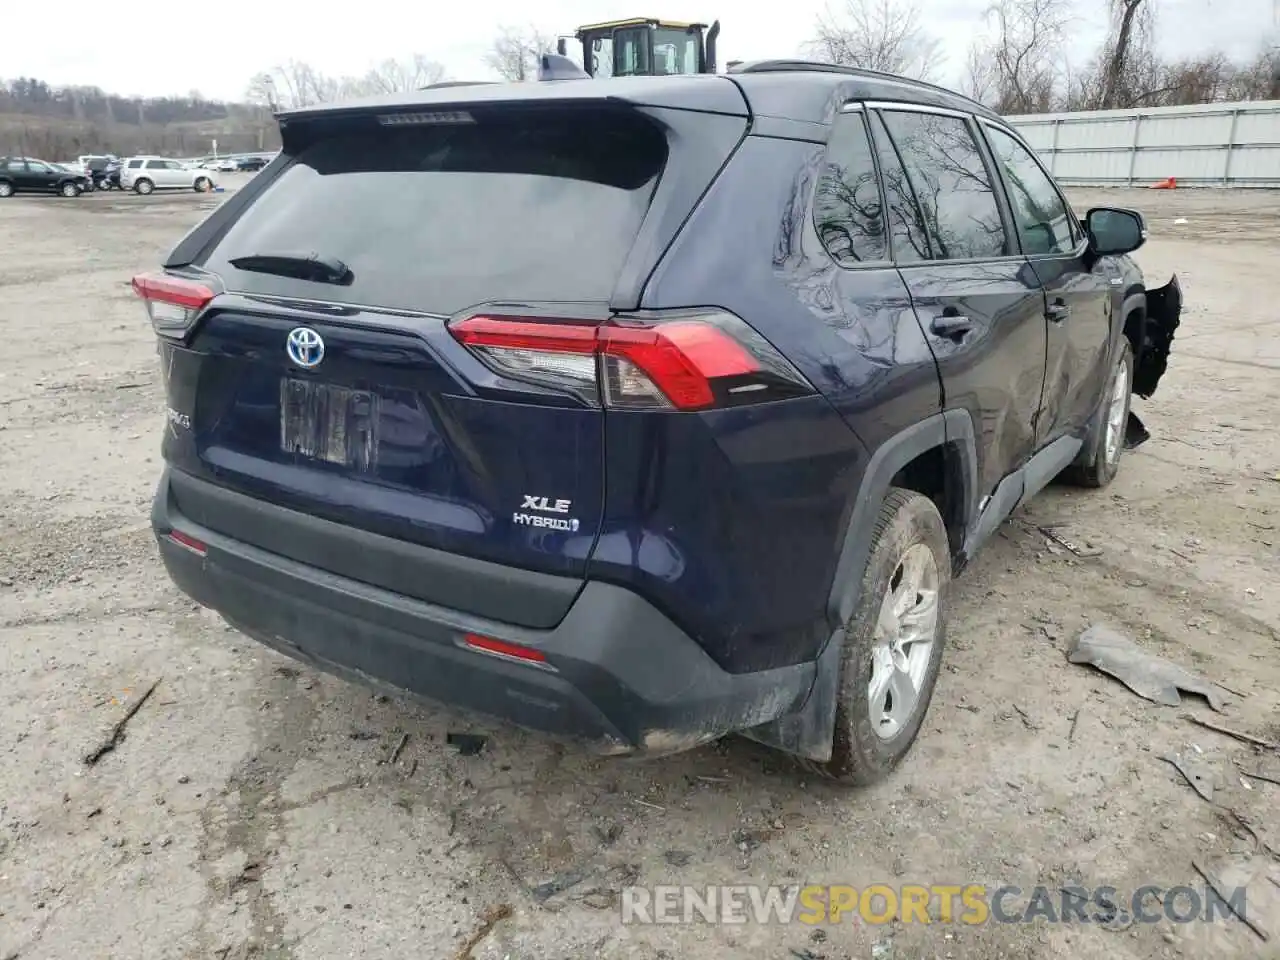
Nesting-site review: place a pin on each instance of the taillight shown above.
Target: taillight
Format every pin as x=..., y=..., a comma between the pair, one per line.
x=172, y=303
x=685, y=362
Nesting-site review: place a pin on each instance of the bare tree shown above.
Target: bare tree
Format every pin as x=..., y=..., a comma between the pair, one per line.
x=1025, y=53
x=979, y=78
x=394, y=76
x=515, y=52
x=884, y=35
x=298, y=84
x=1130, y=40
x=1259, y=79
x=262, y=91
x=293, y=84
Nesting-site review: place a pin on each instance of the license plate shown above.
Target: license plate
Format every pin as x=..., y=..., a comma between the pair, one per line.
x=329, y=423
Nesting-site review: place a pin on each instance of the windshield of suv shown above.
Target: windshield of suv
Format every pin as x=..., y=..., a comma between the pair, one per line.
x=538, y=205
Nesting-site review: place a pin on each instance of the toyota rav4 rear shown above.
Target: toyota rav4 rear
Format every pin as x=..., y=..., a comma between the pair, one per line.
x=420, y=433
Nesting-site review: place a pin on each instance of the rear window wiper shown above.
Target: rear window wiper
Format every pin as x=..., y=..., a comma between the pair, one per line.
x=301, y=266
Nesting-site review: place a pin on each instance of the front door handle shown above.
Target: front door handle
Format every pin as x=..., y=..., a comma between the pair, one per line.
x=1057, y=312
x=952, y=326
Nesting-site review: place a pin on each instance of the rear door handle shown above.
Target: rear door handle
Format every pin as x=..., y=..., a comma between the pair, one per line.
x=1057, y=312
x=952, y=326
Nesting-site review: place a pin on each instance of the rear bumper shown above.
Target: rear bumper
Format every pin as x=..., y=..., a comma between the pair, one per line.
x=618, y=673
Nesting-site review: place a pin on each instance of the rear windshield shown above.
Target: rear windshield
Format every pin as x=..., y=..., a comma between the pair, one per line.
x=437, y=217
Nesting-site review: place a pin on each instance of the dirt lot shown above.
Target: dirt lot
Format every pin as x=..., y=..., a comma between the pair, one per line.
x=249, y=810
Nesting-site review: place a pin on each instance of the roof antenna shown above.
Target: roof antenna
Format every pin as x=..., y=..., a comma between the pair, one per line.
x=553, y=66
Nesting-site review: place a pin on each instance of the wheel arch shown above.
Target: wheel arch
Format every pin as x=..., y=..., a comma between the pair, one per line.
x=1132, y=317
x=945, y=440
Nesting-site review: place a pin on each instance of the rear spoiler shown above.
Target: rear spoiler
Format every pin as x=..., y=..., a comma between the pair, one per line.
x=692, y=92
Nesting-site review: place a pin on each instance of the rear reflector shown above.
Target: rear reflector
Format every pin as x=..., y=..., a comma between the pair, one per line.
x=191, y=543
x=172, y=303
x=685, y=362
x=504, y=649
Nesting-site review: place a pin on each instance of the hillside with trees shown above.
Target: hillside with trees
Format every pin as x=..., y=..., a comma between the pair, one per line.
x=41, y=120
x=38, y=119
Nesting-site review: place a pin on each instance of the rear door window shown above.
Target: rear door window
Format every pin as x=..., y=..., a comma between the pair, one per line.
x=535, y=205
x=847, y=210
x=951, y=183
x=908, y=234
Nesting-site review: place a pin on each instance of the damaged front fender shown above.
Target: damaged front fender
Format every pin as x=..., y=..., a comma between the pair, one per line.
x=1163, y=314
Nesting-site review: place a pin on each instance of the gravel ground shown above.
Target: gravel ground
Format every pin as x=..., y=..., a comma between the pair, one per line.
x=250, y=809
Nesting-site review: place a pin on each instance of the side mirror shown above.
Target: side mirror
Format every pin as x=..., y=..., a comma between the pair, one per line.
x=1114, y=231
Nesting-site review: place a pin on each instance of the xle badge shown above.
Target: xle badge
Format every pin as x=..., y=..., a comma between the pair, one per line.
x=545, y=505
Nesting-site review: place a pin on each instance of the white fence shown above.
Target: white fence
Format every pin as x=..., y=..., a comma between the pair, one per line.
x=1210, y=145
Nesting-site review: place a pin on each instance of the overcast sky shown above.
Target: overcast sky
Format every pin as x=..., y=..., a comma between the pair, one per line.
x=215, y=48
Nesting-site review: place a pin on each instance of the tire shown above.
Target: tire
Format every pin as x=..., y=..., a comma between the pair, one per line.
x=6, y=189
x=202, y=184
x=1099, y=462
x=69, y=190
x=143, y=186
x=909, y=545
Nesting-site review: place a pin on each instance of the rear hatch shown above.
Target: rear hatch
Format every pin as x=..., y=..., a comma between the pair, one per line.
x=324, y=375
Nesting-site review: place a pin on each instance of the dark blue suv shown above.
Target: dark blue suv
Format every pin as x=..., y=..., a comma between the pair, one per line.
x=642, y=410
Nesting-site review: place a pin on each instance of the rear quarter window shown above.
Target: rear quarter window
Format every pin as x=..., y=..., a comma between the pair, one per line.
x=847, y=211
x=436, y=217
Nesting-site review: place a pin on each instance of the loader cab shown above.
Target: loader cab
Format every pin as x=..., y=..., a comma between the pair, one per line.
x=646, y=47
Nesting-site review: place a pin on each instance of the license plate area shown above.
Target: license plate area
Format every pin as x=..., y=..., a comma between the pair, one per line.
x=329, y=423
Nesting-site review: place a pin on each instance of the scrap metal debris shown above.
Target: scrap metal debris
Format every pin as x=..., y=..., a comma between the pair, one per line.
x=1221, y=891
x=1075, y=721
x=395, y=753
x=117, y=731
x=467, y=744
x=557, y=884
x=1147, y=675
x=1135, y=432
x=1084, y=553
x=1227, y=731
x=1196, y=773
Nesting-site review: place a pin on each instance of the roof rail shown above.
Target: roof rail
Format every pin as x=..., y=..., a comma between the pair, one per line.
x=455, y=83
x=817, y=66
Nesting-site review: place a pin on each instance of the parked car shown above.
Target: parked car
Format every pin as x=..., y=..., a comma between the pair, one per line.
x=227, y=165
x=701, y=460
x=145, y=174
x=110, y=179
x=251, y=164
x=28, y=175
x=95, y=167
